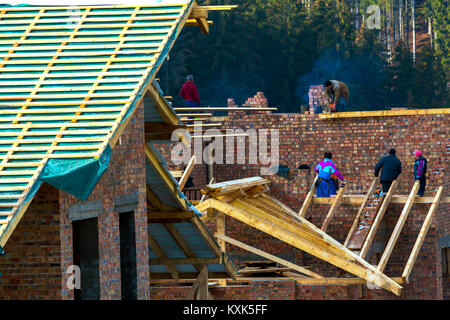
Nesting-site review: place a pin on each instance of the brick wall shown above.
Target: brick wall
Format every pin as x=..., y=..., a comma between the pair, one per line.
x=31, y=268
x=357, y=144
x=125, y=176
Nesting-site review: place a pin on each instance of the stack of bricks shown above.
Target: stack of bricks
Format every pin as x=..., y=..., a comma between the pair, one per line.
x=257, y=101
x=316, y=97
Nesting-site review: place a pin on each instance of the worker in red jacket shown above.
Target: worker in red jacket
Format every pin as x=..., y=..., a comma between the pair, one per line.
x=189, y=92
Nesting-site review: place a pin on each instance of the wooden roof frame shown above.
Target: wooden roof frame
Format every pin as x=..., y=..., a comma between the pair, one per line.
x=267, y=214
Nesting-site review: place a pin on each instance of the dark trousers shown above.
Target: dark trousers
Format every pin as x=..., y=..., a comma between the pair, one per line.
x=385, y=185
x=423, y=183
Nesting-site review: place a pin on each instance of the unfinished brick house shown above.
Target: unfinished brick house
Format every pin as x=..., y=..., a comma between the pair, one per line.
x=81, y=183
x=357, y=140
x=84, y=186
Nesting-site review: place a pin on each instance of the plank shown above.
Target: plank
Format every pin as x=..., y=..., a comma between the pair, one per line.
x=422, y=234
x=298, y=242
x=267, y=256
x=187, y=250
x=360, y=211
x=398, y=228
x=312, y=281
x=293, y=227
x=376, y=223
x=383, y=113
x=223, y=109
x=333, y=208
x=308, y=199
x=187, y=172
x=199, y=289
x=162, y=255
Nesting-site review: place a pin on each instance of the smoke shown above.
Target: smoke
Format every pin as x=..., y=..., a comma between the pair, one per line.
x=361, y=73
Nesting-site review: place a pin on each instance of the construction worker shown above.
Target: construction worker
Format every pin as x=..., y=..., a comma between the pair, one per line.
x=335, y=90
x=326, y=168
x=390, y=167
x=189, y=92
x=420, y=169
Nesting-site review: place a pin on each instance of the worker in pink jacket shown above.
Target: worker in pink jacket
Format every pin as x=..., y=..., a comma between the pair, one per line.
x=325, y=186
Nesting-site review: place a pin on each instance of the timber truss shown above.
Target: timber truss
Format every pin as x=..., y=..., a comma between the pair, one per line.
x=248, y=201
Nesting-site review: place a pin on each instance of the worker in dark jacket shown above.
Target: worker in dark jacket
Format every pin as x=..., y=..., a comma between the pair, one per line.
x=189, y=92
x=420, y=169
x=390, y=167
x=335, y=90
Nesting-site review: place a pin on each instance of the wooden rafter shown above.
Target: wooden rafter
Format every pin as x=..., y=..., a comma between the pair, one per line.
x=360, y=211
x=398, y=228
x=308, y=199
x=164, y=175
x=268, y=256
x=333, y=208
x=187, y=172
x=162, y=255
x=184, y=246
x=422, y=234
x=295, y=239
x=199, y=290
x=376, y=223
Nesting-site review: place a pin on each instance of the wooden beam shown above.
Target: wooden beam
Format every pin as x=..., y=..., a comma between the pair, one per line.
x=363, y=262
x=184, y=246
x=398, y=228
x=164, y=109
x=204, y=205
x=298, y=242
x=293, y=227
x=360, y=211
x=188, y=277
x=383, y=113
x=422, y=234
x=222, y=188
x=308, y=199
x=193, y=260
x=204, y=196
x=268, y=256
x=199, y=290
x=204, y=231
x=263, y=270
x=220, y=229
x=396, y=199
x=169, y=215
x=164, y=175
x=333, y=208
x=162, y=255
x=223, y=109
x=153, y=199
x=187, y=172
x=318, y=282
x=376, y=223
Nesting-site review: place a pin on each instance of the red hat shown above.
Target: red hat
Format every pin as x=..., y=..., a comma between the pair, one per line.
x=417, y=153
